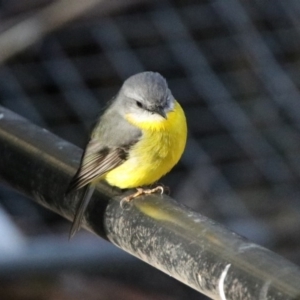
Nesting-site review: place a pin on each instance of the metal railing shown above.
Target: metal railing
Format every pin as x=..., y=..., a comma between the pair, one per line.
x=154, y=228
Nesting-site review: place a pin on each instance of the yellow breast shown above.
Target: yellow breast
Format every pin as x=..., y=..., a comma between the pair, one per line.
x=158, y=150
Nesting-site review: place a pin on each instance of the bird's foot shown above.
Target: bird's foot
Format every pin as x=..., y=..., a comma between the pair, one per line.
x=166, y=189
x=142, y=191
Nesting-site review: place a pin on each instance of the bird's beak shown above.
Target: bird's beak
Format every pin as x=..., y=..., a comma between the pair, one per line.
x=160, y=111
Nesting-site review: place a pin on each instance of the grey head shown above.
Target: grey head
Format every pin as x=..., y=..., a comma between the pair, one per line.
x=146, y=96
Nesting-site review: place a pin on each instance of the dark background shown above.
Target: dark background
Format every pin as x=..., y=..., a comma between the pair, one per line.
x=234, y=67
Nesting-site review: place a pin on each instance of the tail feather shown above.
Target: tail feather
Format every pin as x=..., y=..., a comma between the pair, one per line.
x=81, y=209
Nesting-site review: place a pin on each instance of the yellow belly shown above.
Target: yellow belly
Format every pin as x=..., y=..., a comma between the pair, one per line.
x=158, y=150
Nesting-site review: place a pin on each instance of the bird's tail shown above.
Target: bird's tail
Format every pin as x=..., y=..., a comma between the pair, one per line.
x=81, y=209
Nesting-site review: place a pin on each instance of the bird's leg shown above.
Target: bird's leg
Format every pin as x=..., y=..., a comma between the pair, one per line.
x=141, y=191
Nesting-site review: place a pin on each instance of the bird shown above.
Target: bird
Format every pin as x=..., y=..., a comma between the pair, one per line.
x=139, y=137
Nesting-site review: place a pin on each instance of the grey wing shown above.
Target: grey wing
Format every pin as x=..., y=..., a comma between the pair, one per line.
x=108, y=148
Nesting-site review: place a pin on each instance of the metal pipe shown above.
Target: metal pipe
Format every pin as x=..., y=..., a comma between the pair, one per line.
x=26, y=32
x=154, y=228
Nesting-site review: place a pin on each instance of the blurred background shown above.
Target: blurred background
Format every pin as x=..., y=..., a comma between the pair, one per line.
x=234, y=65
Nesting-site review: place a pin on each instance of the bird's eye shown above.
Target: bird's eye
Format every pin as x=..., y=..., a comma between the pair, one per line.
x=139, y=104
